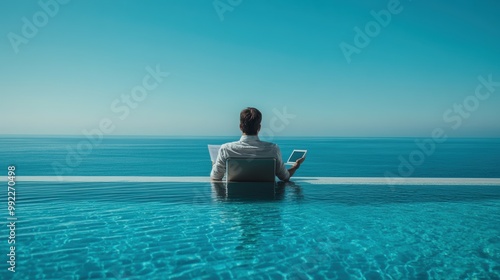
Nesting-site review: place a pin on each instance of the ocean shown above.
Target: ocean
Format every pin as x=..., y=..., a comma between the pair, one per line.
x=176, y=156
x=187, y=227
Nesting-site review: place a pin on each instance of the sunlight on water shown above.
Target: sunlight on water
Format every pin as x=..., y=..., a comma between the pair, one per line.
x=185, y=230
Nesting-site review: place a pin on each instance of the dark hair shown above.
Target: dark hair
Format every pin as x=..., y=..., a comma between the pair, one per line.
x=250, y=119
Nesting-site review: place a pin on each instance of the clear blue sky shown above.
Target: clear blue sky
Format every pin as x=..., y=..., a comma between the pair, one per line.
x=266, y=54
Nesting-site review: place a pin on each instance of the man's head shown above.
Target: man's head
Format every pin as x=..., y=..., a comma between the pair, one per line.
x=250, y=119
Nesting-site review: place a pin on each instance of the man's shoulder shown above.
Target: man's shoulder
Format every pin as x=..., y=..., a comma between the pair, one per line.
x=268, y=144
x=259, y=143
x=228, y=144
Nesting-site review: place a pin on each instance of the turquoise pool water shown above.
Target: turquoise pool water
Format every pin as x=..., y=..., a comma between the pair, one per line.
x=296, y=231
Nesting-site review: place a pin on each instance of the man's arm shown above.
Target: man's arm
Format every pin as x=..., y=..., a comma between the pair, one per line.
x=219, y=167
x=282, y=173
x=296, y=166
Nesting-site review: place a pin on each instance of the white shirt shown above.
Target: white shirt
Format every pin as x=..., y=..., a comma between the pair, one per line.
x=248, y=146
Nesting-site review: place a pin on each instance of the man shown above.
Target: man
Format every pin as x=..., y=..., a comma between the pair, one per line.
x=250, y=146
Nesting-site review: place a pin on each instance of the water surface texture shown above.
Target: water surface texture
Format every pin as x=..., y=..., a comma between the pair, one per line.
x=183, y=230
x=297, y=230
x=326, y=157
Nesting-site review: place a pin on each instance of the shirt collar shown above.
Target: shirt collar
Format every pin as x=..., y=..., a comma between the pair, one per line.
x=249, y=138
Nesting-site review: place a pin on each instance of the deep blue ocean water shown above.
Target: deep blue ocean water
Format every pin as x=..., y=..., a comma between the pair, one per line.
x=93, y=230
x=335, y=157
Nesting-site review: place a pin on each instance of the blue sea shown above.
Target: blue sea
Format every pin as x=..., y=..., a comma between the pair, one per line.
x=192, y=229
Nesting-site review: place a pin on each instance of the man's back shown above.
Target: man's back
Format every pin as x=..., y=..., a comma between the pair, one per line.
x=248, y=146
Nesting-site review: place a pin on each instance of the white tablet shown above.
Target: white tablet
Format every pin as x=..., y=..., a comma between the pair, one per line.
x=296, y=154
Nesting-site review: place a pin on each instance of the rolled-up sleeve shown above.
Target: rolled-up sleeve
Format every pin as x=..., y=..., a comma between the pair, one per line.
x=281, y=170
x=219, y=167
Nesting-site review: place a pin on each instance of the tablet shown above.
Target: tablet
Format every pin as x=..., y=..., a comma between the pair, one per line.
x=296, y=154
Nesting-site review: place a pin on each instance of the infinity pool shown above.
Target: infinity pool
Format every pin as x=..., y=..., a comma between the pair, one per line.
x=297, y=230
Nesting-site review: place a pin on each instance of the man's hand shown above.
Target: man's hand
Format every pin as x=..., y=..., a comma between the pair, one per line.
x=299, y=162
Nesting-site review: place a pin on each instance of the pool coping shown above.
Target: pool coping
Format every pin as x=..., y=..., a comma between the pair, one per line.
x=310, y=180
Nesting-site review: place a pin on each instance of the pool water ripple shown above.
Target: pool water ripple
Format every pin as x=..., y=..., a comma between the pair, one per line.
x=157, y=230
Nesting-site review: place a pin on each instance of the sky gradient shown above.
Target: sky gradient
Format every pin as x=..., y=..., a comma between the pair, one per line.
x=283, y=57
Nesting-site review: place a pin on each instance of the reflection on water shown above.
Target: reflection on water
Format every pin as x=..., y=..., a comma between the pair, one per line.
x=254, y=191
x=246, y=191
x=255, y=225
